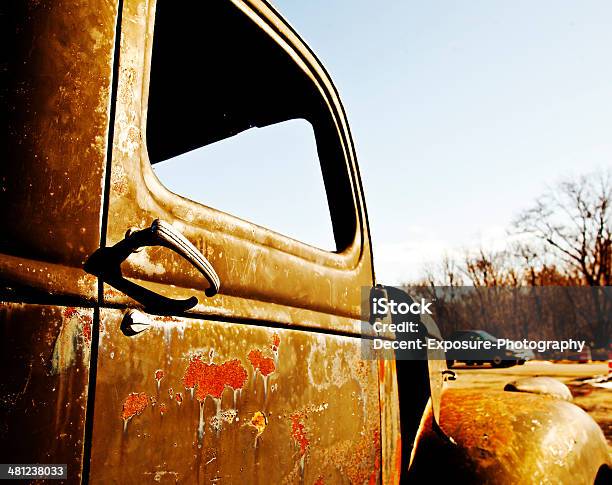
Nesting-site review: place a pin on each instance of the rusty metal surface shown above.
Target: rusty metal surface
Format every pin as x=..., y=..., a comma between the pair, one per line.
x=391, y=438
x=197, y=401
x=235, y=308
x=22, y=276
x=44, y=363
x=57, y=99
x=319, y=417
x=254, y=264
x=507, y=438
x=56, y=95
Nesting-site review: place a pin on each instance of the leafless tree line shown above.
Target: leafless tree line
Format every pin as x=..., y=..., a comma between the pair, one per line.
x=553, y=281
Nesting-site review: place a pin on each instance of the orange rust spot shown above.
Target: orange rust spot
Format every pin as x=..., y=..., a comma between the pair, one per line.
x=298, y=432
x=211, y=379
x=398, y=456
x=69, y=312
x=372, y=480
x=162, y=408
x=85, y=320
x=376, y=471
x=381, y=370
x=179, y=398
x=112, y=292
x=275, y=342
x=265, y=365
x=259, y=421
x=168, y=318
x=87, y=330
x=134, y=405
x=159, y=375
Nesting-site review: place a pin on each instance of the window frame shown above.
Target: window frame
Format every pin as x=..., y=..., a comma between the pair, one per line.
x=339, y=215
x=284, y=271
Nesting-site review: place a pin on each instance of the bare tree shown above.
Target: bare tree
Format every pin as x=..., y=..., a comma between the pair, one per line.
x=574, y=221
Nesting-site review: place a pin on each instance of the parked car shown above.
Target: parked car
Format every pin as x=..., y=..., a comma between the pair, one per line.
x=495, y=356
x=583, y=357
x=150, y=338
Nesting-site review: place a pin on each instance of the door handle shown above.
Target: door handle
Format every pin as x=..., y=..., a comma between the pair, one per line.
x=106, y=264
x=161, y=233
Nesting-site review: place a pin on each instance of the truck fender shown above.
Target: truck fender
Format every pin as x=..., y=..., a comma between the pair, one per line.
x=497, y=437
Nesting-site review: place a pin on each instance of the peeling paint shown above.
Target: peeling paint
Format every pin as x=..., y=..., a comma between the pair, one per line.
x=275, y=346
x=259, y=421
x=265, y=365
x=227, y=416
x=275, y=342
x=327, y=431
x=87, y=329
x=298, y=432
x=133, y=405
x=74, y=335
x=211, y=379
x=159, y=375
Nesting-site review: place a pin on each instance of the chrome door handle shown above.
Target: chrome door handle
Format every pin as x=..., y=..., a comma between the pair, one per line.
x=161, y=233
x=105, y=263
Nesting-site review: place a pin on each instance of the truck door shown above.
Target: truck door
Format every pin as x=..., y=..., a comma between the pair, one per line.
x=228, y=351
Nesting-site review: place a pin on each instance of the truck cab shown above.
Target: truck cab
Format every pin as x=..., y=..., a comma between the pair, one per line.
x=152, y=337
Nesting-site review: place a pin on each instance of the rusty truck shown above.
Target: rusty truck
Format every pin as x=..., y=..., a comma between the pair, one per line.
x=150, y=338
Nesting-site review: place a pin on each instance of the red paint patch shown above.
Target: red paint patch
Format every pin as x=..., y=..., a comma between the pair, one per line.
x=265, y=365
x=87, y=330
x=298, y=433
x=179, y=398
x=112, y=292
x=319, y=481
x=159, y=375
x=373, y=476
x=275, y=342
x=169, y=319
x=375, y=473
x=85, y=320
x=134, y=405
x=69, y=312
x=211, y=379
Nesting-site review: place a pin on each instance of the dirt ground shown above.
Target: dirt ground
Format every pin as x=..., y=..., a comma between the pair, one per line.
x=596, y=401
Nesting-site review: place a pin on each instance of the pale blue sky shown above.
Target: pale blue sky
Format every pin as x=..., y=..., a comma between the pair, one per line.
x=461, y=111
